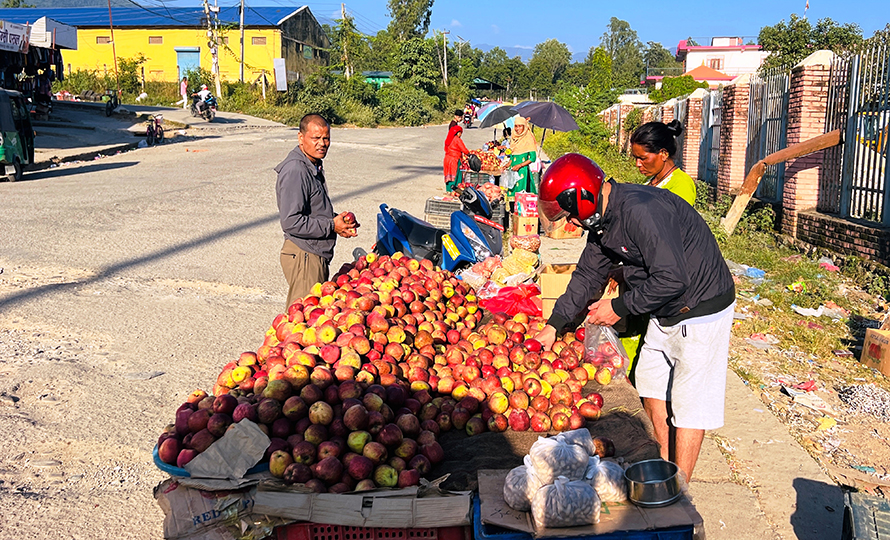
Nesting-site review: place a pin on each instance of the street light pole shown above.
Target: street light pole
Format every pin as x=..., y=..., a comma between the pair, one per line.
x=445, y=54
x=114, y=52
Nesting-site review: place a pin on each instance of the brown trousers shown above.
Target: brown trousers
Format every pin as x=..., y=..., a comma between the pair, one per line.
x=302, y=270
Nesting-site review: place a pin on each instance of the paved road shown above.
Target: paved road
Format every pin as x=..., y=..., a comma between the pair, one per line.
x=164, y=260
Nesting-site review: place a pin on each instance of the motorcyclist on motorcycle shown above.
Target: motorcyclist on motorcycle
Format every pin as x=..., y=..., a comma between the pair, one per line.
x=203, y=96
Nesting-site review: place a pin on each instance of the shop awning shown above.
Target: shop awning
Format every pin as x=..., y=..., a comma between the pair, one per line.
x=51, y=34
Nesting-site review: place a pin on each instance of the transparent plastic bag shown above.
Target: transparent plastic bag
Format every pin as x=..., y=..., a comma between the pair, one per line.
x=603, y=350
x=581, y=437
x=473, y=279
x=554, y=456
x=607, y=479
x=509, y=178
x=520, y=486
x=566, y=503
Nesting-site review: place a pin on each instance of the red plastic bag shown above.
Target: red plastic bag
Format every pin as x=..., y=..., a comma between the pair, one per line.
x=512, y=300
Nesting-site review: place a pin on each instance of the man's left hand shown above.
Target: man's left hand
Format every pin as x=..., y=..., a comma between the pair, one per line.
x=601, y=313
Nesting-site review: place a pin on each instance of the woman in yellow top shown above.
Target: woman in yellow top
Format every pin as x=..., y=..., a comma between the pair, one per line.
x=653, y=146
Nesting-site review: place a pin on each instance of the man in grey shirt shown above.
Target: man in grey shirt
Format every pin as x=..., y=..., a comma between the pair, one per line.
x=307, y=216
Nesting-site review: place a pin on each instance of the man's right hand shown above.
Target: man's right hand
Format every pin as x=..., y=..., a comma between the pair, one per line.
x=547, y=336
x=346, y=230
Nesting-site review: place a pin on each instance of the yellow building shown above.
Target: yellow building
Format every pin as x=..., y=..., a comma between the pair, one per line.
x=174, y=40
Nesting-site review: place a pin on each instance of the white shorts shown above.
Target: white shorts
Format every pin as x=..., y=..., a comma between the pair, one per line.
x=686, y=365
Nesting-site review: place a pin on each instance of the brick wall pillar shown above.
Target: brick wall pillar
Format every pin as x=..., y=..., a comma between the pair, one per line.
x=733, y=136
x=624, y=136
x=692, y=131
x=667, y=111
x=807, y=101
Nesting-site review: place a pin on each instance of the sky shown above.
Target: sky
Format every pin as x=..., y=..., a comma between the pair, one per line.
x=580, y=23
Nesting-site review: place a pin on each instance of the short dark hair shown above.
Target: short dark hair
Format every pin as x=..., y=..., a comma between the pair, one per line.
x=312, y=118
x=658, y=136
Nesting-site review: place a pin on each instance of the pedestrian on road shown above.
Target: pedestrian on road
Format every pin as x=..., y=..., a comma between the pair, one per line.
x=184, y=92
x=674, y=271
x=307, y=215
x=454, y=150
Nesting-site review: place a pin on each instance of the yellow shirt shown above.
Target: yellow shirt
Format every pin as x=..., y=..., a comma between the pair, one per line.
x=679, y=183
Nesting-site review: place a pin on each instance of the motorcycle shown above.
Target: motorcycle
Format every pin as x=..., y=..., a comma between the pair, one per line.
x=471, y=238
x=207, y=112
x=468, y=119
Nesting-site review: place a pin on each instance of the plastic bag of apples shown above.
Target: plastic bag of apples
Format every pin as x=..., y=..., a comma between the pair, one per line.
x=603, y=349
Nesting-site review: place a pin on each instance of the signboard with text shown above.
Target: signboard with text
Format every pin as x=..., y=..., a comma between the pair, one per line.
x=14, y=37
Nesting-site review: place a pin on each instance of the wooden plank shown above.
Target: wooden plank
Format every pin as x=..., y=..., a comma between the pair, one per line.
x=752, y=180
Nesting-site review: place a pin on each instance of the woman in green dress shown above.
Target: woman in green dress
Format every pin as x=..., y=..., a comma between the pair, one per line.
x=524, y=152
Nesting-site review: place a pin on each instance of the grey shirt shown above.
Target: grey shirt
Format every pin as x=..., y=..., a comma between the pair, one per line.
x=304, y=208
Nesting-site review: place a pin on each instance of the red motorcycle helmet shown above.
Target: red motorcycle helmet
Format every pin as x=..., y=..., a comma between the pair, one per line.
x=571, y=188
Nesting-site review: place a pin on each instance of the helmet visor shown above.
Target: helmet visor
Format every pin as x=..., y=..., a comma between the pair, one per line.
x=552, y=210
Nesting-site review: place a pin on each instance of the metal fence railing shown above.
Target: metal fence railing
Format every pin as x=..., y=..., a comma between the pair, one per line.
x=865, y=175
x=767, y=127
x=709, y=149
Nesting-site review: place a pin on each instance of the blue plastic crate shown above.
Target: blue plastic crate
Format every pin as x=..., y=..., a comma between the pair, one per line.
x=492, y=532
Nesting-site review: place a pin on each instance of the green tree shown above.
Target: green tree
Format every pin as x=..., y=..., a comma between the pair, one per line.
x=625, y=51
x=348, y=46
x=789, y=43
x=16, y=4
x=880, y=37
x=410, y=18
x=656, y=56
x=129, y=73
x=416, y=64
x=382, y=52
x=600, y=69
x=548, y=63
x=672, y=87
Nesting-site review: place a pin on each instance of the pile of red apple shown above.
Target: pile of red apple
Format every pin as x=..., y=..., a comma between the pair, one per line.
x=356, y=381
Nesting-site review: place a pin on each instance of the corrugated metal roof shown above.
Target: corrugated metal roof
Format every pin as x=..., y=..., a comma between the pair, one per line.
x=147, y=16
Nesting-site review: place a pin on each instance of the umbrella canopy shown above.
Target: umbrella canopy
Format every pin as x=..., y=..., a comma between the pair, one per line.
x=549, y=115
x=498, y=115
x=524, y=104
x=487, y=108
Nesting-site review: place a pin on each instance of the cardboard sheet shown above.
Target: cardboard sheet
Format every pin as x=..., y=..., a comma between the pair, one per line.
x=613, y=517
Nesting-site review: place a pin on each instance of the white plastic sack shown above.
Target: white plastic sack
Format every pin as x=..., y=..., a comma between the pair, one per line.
x=566, y=504
x=581, y=437
x=520, y=486
x=607, y=479
x=554, y=456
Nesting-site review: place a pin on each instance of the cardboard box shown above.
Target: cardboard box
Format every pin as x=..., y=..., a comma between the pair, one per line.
x=526, y=204
x=614, y=517
x=560, y=229
x=553, y=279
x=397, y=509
x=876, y=350
x=524, y=225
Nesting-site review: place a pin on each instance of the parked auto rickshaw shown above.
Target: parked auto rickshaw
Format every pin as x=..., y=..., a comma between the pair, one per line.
x=16, y=135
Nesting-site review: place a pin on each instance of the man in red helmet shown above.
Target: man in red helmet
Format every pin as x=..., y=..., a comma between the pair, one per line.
x=675, y=273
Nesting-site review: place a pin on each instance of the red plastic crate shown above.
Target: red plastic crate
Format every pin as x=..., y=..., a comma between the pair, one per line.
x=318, y=531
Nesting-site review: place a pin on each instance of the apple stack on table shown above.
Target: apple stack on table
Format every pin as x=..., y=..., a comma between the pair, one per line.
x=355, y=383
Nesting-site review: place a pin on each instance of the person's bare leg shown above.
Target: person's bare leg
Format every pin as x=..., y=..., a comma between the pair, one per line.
x=656, y=409
x=688, y=445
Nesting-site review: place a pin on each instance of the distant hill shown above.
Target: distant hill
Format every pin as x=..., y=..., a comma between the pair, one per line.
x=526, y=53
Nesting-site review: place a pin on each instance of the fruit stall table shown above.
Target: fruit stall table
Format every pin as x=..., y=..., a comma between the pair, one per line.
x=623, y=421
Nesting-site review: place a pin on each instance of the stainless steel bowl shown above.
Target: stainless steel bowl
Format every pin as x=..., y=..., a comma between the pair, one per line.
x=653, y=483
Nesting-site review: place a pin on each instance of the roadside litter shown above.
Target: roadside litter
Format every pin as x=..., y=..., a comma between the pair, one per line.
x=867, y=399
x=835, y=313
x=762, y=341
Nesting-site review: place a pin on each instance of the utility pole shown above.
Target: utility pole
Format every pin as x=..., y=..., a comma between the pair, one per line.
x=347, y=70
x=445, y=54
x=460, y=49
x=213, y=40
x=241, y=27
x=114, y=52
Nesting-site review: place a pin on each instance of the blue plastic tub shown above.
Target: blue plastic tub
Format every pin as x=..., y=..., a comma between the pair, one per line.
x=173, y=470
x=491, y=532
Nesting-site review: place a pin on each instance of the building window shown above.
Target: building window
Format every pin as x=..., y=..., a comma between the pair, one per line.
x=716, y=63
x=225, y=40
x=258, y=41
x=307, y=52
x=103, y=40
x=155, y=40
x=156, y=75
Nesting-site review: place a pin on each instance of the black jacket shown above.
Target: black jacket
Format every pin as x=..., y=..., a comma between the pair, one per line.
x=672, y=264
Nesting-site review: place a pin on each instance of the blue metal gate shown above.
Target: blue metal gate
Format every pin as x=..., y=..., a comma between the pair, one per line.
x=767, y=126
x=187, y=59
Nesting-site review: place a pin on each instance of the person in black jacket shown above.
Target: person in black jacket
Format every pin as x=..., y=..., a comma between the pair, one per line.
x=675, y=273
